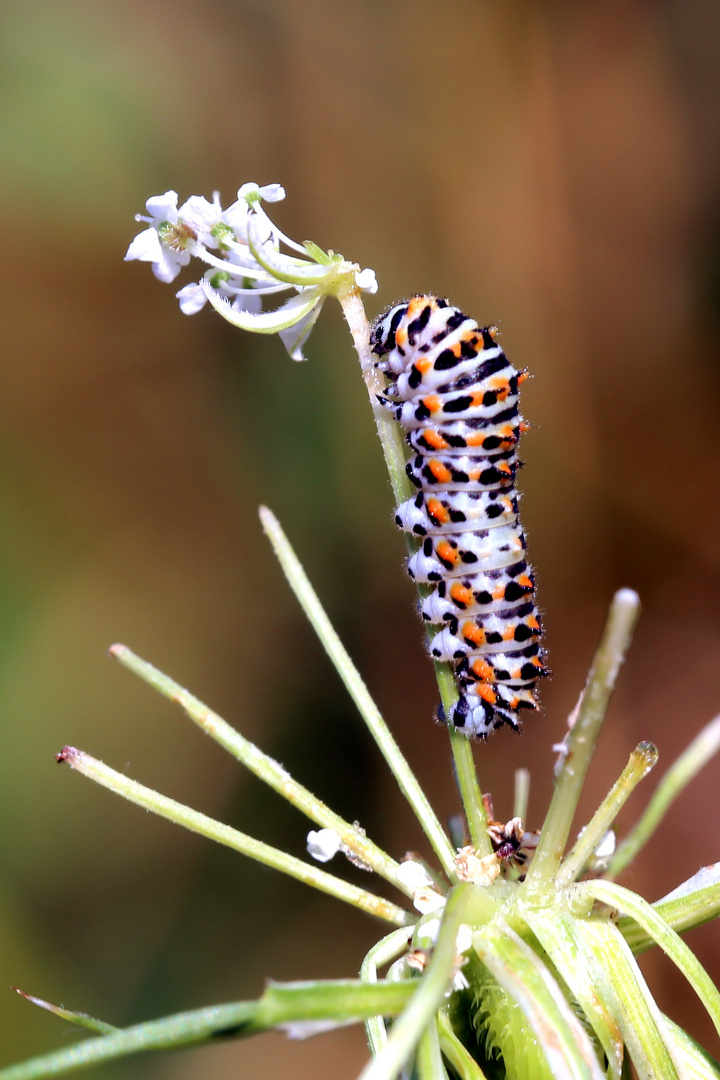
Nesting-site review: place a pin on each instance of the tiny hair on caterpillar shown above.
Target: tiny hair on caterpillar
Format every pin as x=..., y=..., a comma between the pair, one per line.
x=453, y=390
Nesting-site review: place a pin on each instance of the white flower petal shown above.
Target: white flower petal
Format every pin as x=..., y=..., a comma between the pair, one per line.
x=464, y=938
x=146, y=247
x=413, y=874
x=426, y=900
x=607, y=845
x=366, y=280
x=192, y=298
x=323, y=844
x=163, y=207
x=269, y=192
x=202, y=216
x=295, y=336
x=272, y=192
x=169, y=264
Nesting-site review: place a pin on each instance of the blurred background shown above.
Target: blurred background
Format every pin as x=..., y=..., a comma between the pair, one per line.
x=552, y=168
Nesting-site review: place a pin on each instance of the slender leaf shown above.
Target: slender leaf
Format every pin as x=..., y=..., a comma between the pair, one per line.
x=631, y=904
x=340, y=1001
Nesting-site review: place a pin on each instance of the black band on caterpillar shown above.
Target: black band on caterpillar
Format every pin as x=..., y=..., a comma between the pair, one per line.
x=455, y=393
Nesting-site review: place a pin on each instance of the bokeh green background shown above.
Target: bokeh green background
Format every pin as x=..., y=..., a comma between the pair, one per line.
x=551, y=167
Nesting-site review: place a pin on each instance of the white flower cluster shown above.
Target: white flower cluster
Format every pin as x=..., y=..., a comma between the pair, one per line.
x=241, y=247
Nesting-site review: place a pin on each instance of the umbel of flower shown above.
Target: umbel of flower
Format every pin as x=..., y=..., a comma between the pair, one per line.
x=241, y=247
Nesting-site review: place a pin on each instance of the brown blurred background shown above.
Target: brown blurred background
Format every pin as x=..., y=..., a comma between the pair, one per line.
x=549, y=167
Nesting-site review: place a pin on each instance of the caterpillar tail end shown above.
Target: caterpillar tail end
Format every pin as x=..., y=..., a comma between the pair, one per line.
x=475, y=717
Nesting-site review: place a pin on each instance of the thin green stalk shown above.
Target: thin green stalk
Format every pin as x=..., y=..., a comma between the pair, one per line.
x=224, y=834
x=388, y=948
x=428, y=996
x=580, y=740
x=77, y=1018
x=263, y=766
x=621, y=987
x=676, y=779
x=429, y=1059
x=464, y=765
x=522, y=793
x=281, y=1006
x=641, y=761
x=393, y=445
x=682, y=913
x=629, y=903
x=358, y=691
x=389, y=433
x=453, y=1050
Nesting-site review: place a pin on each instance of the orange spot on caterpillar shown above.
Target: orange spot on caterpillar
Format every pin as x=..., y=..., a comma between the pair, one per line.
x=437, y=511
x=434, y=439
x=472, y=633
x=482, y=670
x=447, y=553
x=441, y=473
x=460, y=593
x=486, y=693
x=432, y=403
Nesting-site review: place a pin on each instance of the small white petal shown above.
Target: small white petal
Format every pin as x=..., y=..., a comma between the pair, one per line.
x=464, y=938
x=427, y=934
x=146, y=247
x=202, y=216
x=413, y=874
x=366, y=280
x=425, y=900
x=163, y=207
x=607, y=845
x=192, y=299
x=459, y=981
x=169, y=264
x=323, y=844
x=269, y=192
x=272, y=192
x=295, y=336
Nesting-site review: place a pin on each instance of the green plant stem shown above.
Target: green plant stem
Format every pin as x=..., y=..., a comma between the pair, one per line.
x=464, y=1065
x=224, y=834
x=682, y=913
x=357, y=689
x=464, y=765
x=641, y=761
x=522, y=793
x=429, y=995
x=392, y=441
x=391, y=438
x=676, y=779
x=429, y=1059
x=263, y=766
x=280, y=1006
x=581, y=739
x=77, y=1018
x=388, y=948
x=629, y=903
